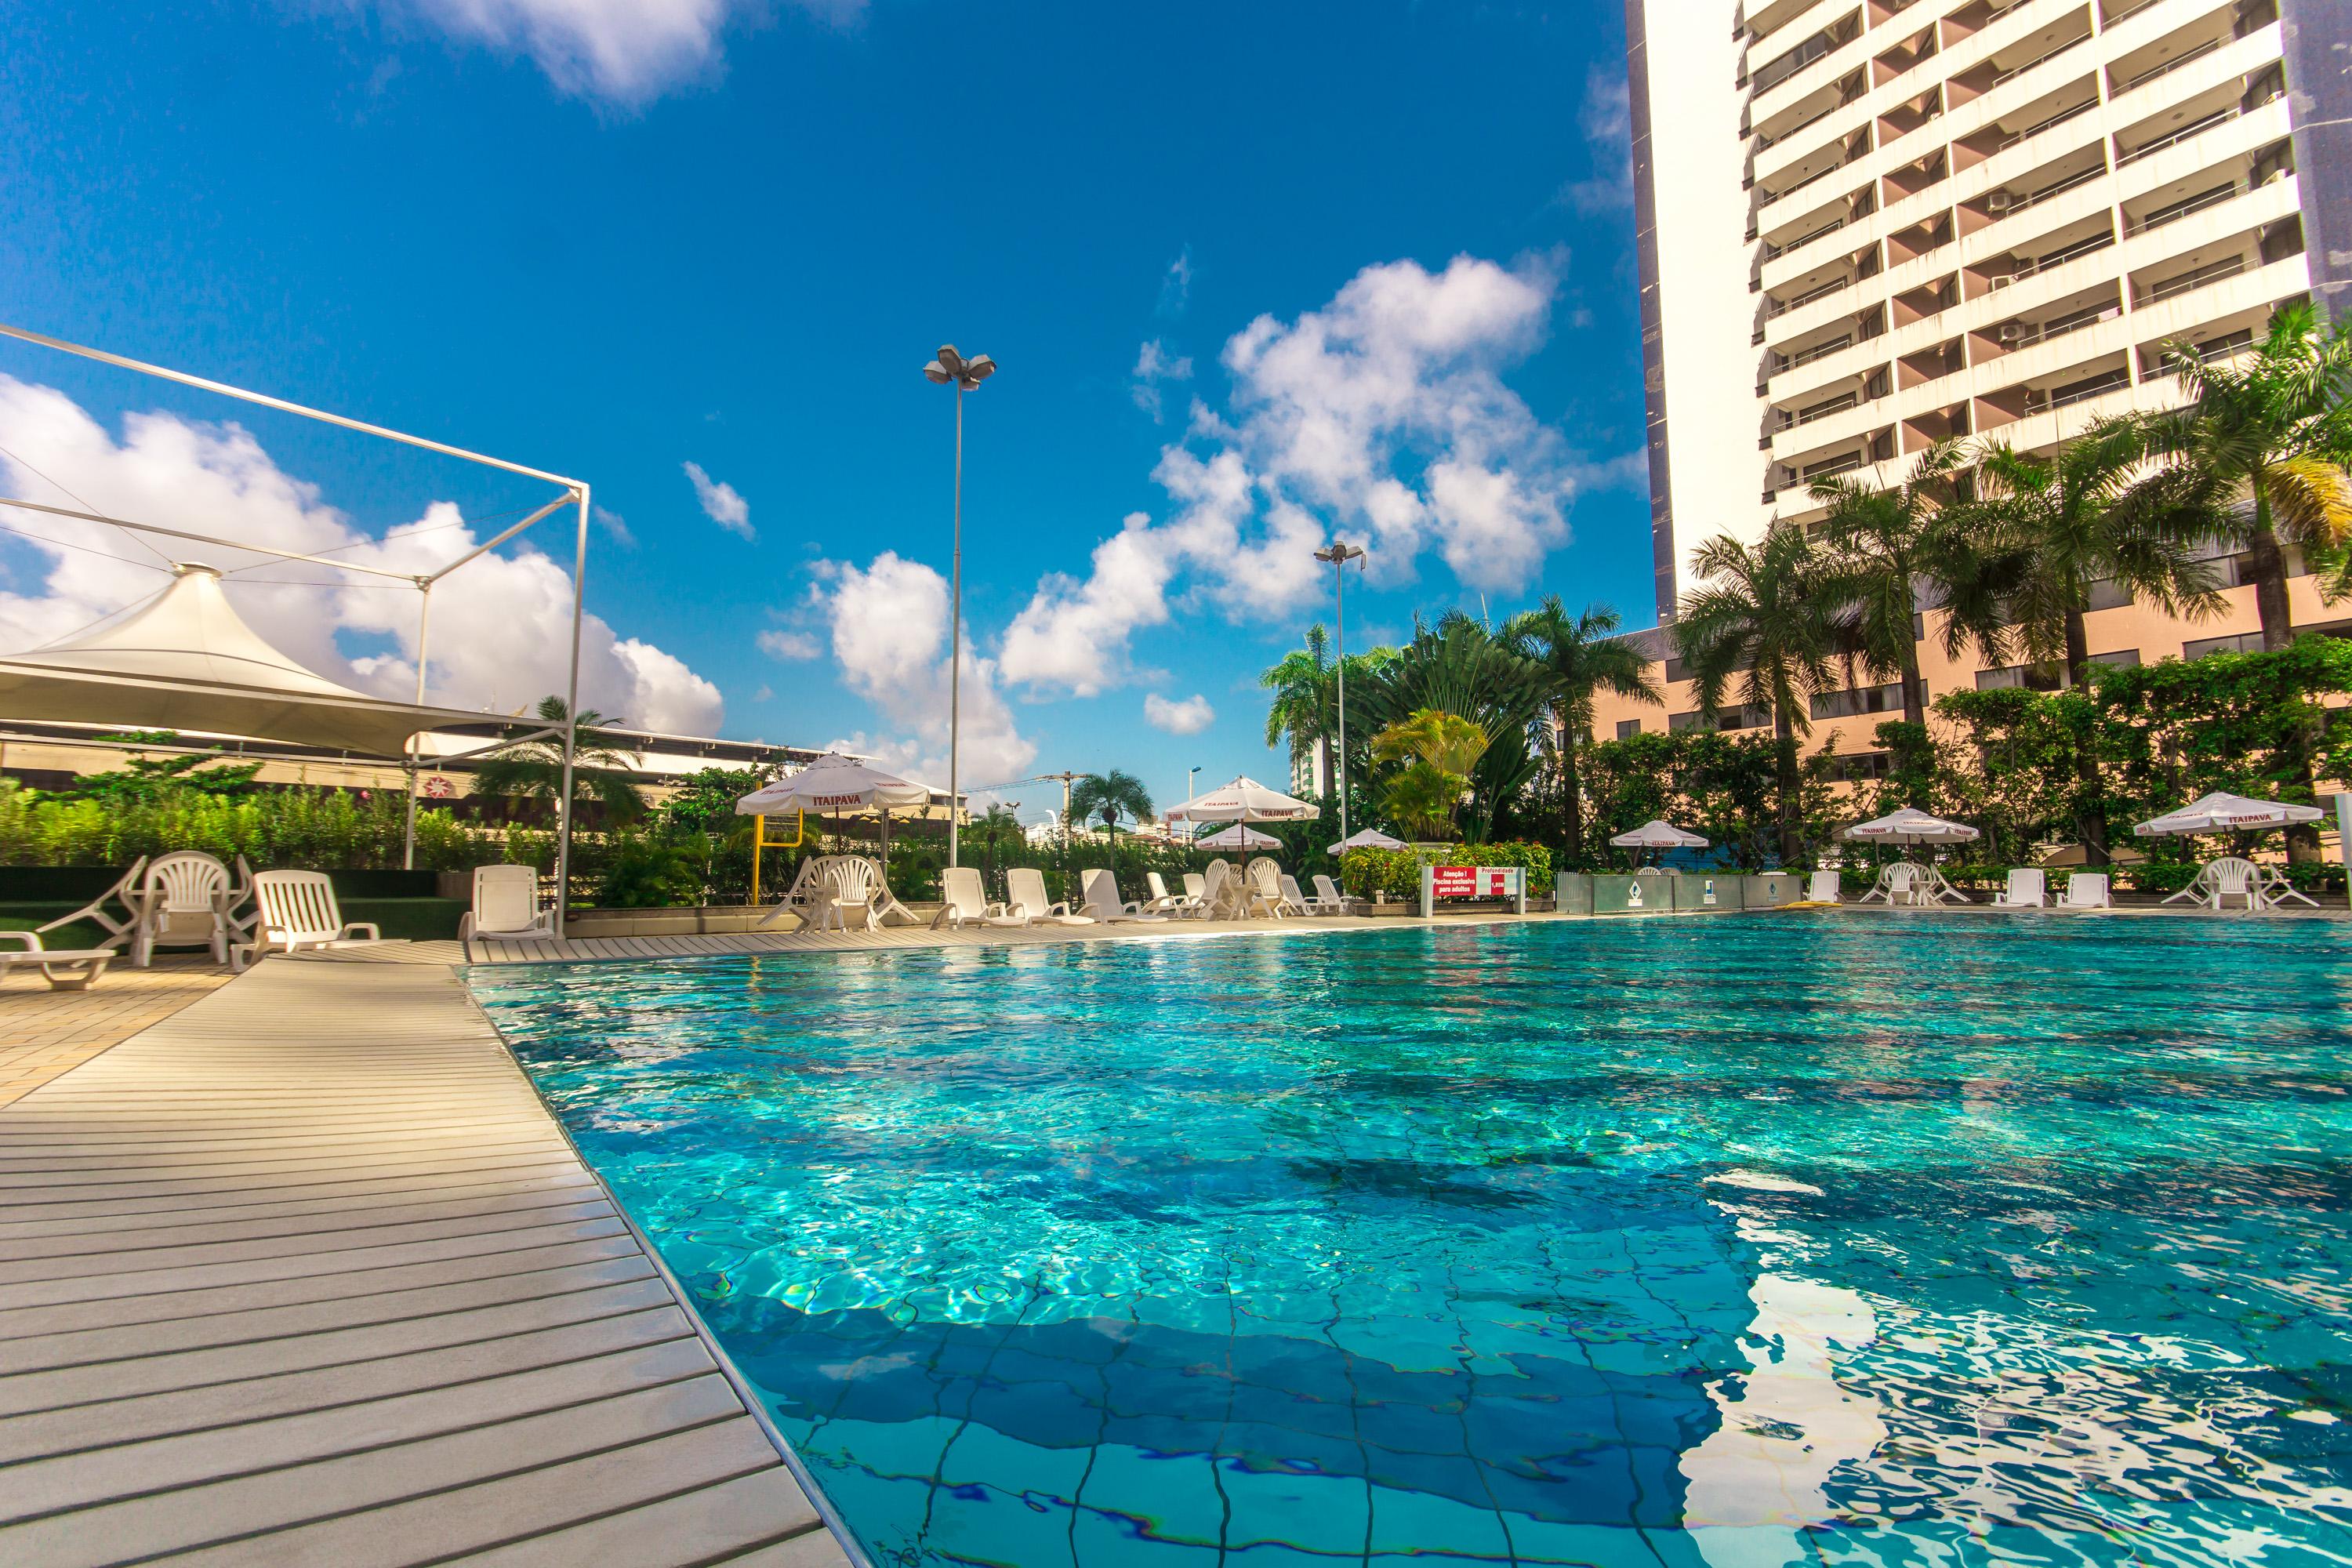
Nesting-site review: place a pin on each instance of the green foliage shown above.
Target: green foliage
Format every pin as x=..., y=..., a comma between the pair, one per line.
x=1397, y=872
x=1105, y=797
x=316, y=829
x=144, y=779
x=1725, y=787
x=1460, y=667
x=653, y=871
x=705, y=801
x=533, y=770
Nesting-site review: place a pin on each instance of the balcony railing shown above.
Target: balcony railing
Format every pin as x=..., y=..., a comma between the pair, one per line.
x=2039, y=126
x=1800, y=184
x=1772, y=252
x=1775, y=308
x=1819, y=411
x=2050, y=192
x=2183, y=208
x=2195, y=127
x=2168, y=67
x=2033, y=266
x=2078, y=392
x=1819, y=350
x=2058, y=326
x=2051, y=53
x=2211, y=272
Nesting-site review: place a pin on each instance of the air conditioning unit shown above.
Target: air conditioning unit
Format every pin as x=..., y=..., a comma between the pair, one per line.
x=2012, y=331
x=1999, y=201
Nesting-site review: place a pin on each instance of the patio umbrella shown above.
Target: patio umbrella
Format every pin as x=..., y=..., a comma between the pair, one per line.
x=834, y=785
x=1656, y=835
x=1370, y=838
x=1911, y=825
x=2221, y=812
x=1244, y=800
x=1239, y=837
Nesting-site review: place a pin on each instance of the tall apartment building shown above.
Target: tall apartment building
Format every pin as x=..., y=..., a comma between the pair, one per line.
x=1864, y=224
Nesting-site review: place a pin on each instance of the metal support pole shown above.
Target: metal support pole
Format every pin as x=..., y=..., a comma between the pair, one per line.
x=416, y=743
x=955, y=646
x=570, y=722
x=1339, y=587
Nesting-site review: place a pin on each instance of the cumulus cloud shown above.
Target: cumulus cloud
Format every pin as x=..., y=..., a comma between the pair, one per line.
x=1189, y=717
x=624, y=52
x=721, y=502
x=1176, y=284
x=616, y=527
x=1606, y=118
x=888, y=622
x=778, y=642
x=1383, y=415
x=501, y=626
x=1154, y=365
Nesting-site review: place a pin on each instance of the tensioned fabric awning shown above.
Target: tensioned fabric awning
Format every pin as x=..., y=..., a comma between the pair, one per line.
x=185, y=659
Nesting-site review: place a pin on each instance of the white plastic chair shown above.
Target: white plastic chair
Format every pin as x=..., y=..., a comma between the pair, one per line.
x=1025, y=887
x=1294, y=901
x=1931, y=888
x=2276, y=889
x=1327, y=897
x=506, y=907
x=963, y=901
x=67, y=971
x=2220, y=881
x=1822, y=888
x=2087, y=891
x=2028, y=888
x=299, y=914
x=1195, y=902
x=183, y=901
x=1161, y=900
x=118, y=930
x=1264, y=878
x=1100, y=889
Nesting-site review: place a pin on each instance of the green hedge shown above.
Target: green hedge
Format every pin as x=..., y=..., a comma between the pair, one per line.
x=1397, y=872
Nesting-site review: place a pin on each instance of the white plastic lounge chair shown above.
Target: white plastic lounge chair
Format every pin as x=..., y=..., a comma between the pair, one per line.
x=831, y=889
x=963, y=901
x=2221, y=882
x=2028, y=888
x=1163, y=901
x=299, y=914
x=506, y=907
x=1264, y=878
x=1822, y=888
x=1222, y=895
x=2276, y=889
x=1328, y=899
x=1195, y=902
x=69, y=970
x=118, y=930
x=1025, y=887
x=1930, y=888
x=1101, y=892
x=1297, y=902
x=2087, y=891
x=183, y=901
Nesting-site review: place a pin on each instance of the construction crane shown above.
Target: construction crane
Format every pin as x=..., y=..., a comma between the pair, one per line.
x=1063, y=779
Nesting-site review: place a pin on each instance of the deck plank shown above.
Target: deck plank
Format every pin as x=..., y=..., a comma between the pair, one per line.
x=305, y=1273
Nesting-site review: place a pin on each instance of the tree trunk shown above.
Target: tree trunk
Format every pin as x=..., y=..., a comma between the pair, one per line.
x=1572, y=791
x=1784, y=737
x=1915, y=689
x=2266, y=564
x=2090, y=808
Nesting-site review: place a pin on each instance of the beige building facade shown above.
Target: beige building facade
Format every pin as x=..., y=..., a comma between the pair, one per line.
x=1866, y=225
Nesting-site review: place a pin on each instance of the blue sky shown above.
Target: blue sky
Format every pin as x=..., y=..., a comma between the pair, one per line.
x=1254, y=275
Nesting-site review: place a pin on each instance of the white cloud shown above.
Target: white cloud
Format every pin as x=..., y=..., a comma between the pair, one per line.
x=1154, y=365
x=1606, y=119
x=1384, y=415
x=778, y=642
x=615, y=527
x=1176, y=284
x=501, y=626
x=721, y=502
x=889, y=625
x=1189, y=717
x=620, y=52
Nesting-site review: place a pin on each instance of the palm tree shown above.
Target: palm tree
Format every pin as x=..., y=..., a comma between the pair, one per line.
x=533, y=770
x=1764, y=622
x=1885, y=545
x=2053, y=527
x=1104, y=797
x=1461, y=667
x=2267, y=445
x=1306, y=705
x=1584, y=657
x=1444, y=748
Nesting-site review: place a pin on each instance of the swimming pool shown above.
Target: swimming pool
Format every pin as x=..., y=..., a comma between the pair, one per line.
x=1733, y=1241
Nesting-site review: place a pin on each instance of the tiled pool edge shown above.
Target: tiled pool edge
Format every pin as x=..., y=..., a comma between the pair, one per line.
x=755, y=1405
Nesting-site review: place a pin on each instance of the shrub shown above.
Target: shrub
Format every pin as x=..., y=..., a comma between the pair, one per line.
x=1397, y=872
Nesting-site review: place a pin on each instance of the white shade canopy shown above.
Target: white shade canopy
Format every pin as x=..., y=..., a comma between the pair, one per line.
x=1238, y=836
x=1911, y=825
x=1244, y=800
x=833, y=785
x=1370, y=838
x=185, y=659
x=2221, y=812
x=1658, y=835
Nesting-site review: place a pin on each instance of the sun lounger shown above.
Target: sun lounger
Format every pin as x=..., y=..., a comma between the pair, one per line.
x=1103, y=902
x=2028, y=888
x=118, y=928
x=1328, y=899
x=506, y=907
x=963, y=901
x=2276, y=889
x=1195, y=902
x=1161, y=900
x=299, y=914
x=1296, y=901
x=1821, y=887
x=1025, y=887
x=2087, y=891
x=67, y=971
x=1932, y=889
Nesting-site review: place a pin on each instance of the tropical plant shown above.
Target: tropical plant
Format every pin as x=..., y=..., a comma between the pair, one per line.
x=1885, y=545
x=1460, y=667
x=533, y=770
x=1105, y=797
x=1438, y=749
x=2052, y=528
x=143, y=778
x=1583, y=656
x=652, y=870
x=1762, y=622
x=2262, y=451
x=1305, y=705
x=704, y=801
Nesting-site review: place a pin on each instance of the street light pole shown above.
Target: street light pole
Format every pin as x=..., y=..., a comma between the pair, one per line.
x=1336, y=556
x=953, y=369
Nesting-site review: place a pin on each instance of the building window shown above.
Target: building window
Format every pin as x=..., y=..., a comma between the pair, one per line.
x=2241, y=642
x=1754, y=716
x=1860, y=766
x=2032, y=677
x=1628, y=728
x=1866, y=700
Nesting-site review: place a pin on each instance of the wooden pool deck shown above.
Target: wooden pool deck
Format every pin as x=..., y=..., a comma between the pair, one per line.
x=307, y=1273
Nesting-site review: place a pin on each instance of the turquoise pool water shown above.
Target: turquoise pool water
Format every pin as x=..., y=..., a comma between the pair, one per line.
x=1735, y=1242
